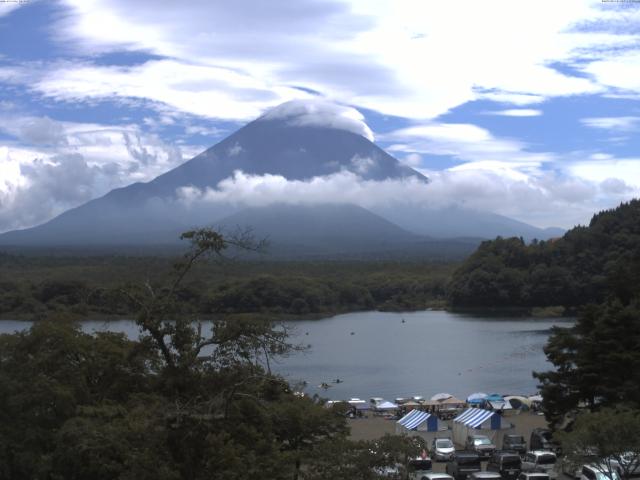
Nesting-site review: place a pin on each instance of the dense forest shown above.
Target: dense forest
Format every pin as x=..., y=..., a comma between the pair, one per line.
x=76, y=406
x=34, y=286
x=584, y=266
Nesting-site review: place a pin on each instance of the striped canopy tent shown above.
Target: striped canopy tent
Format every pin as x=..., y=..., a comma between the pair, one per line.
x=418, y=420
x=474, y=421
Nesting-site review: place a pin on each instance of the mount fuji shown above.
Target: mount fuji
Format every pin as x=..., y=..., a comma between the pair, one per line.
x=270, y=175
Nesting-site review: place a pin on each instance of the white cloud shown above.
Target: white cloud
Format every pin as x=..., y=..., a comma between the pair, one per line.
x=65, y=164
x=626, y=170
x=7, y=7
x=620, y=71
x=236, y=149
x=321, y=113
x=516, y=112
x=501, y=188
x=621, y=124
x=412, y=160
x=464, y=141
x=218, y=92
x=408, y=58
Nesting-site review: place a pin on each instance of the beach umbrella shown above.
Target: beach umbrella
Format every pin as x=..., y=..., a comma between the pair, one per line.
x=438, y=397
x=477, y=397
x=495, y=397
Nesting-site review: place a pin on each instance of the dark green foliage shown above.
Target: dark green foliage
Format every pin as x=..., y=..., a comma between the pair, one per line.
x=34, y=287
x=597, y=362
x=363, y=460
x=47, y=375
x=608, y=439
x=582, y=267
x=180, y=403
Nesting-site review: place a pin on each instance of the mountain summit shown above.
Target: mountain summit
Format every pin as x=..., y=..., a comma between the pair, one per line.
x=295, y=144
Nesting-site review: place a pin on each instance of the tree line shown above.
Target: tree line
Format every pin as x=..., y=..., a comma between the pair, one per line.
x=33, y=287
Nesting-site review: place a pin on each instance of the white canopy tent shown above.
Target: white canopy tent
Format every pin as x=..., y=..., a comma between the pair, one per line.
x=386, y=406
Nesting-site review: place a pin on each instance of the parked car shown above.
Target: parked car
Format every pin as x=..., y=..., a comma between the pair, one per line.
x=481, y=444
x=436, y=476
x=514, y=442
x=595, y=472
x=541, y=439
x=533, y=476
x=540, y=461
x=418, y=467
x=485, y=476
x=462, y=464
x=507, y=464
x=442, y=449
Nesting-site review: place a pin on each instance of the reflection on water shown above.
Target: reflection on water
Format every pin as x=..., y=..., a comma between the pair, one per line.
x=404, y=354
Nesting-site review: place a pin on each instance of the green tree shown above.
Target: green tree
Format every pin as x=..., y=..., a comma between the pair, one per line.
x=608, y=439
x=596, y=362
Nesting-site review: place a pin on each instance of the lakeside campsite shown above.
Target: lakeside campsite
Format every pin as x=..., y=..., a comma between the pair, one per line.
x=320, y=240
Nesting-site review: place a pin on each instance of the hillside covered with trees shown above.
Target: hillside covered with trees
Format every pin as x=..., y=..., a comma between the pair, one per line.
x=584, y=266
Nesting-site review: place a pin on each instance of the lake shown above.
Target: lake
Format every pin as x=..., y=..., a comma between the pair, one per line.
x=405, y=354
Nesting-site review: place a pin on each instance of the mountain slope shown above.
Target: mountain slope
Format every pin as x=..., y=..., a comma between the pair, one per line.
x=320, y=229
x=453, y=222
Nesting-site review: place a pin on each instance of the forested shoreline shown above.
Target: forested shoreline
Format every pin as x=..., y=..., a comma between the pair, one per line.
x=33, y=287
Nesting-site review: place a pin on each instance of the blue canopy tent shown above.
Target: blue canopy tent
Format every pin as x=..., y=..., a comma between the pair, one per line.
x=476, y=421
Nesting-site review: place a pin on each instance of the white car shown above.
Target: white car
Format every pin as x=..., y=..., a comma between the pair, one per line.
x=533, y=476
x=435, y=476
x=485, y=476
x=442, y=449
x=540, y=461
x=598, y=472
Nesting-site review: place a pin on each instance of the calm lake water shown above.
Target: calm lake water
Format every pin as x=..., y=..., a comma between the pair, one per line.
x=377, y=354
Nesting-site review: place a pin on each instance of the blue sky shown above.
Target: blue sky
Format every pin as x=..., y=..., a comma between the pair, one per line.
x=528, y=109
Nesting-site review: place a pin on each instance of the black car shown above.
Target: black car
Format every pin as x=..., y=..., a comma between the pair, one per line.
x=514, y=442
x=507, y=464
x=541, y=439
x=463, y=464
